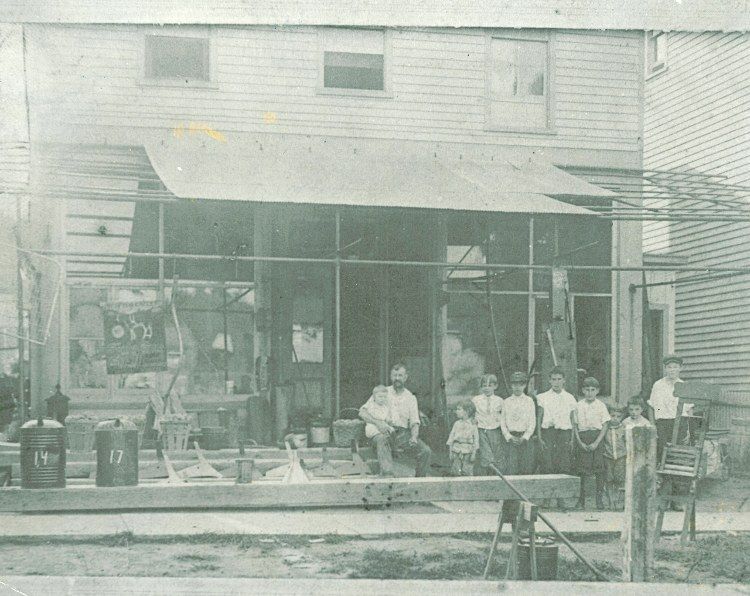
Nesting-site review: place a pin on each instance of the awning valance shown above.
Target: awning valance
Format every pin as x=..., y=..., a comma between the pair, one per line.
x=334, y=171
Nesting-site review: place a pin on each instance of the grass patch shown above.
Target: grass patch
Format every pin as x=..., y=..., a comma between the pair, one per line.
x=450, y=565
x=204, y=567
x=726, y=558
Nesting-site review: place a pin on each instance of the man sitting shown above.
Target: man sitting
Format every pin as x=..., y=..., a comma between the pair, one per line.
x=402, y=433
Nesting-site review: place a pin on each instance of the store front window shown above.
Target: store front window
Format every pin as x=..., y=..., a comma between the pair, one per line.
x=215, y=324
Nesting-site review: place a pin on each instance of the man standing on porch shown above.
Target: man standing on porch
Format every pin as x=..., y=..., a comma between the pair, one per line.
x=402, y=434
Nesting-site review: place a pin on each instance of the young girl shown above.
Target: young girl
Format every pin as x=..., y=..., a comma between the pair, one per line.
x=590, y=420
x=463, y=442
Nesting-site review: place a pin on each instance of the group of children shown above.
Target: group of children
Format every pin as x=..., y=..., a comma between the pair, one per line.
x=583, y=437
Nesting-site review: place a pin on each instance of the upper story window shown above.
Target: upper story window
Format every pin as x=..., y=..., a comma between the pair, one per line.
x=177, y=58
x=353, y=61
x=656, y=52
x=518, y=84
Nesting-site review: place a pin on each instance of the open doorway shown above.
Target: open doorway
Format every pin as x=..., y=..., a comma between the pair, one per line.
x=385, y=310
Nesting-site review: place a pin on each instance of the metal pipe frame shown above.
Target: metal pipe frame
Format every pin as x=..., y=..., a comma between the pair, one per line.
x=370, y=262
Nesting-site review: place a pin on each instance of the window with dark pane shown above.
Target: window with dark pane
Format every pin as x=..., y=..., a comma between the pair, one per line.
x=170, y=57
x=348, y=70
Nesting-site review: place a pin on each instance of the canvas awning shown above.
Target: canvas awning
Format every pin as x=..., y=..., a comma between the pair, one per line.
x=331, y=171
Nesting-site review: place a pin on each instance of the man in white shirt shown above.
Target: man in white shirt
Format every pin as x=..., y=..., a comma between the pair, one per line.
x=518, y=422
x=663, y=402
x=556, y=429
x=402, y=433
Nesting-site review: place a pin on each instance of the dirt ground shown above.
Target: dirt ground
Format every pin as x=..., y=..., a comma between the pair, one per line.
x=712, y=559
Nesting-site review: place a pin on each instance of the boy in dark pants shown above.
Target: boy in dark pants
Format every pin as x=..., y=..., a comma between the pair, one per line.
x=590, y=420
x=663, y=410
x=518, y=422
x=556, y=429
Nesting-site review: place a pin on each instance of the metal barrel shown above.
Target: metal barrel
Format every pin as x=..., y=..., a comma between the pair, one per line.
x=42, y=454
x=116, y=453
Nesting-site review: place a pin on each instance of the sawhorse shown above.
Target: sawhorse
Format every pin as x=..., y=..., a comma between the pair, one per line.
x=523, y=516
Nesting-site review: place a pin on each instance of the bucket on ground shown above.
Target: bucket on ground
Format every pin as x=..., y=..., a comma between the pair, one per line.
x=116, y=453
x=546, y=559
x=42, y=454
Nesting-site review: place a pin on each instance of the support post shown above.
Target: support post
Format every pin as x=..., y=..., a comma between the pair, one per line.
x=640, y=504
x=337, y=322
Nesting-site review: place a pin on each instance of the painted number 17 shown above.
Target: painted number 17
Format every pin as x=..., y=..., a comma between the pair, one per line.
x=115, y=456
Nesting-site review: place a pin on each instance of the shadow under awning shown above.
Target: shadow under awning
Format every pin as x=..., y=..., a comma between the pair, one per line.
x=334, y=171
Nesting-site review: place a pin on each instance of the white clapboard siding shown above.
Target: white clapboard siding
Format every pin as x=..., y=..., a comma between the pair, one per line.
x=697, y=117
x=266, y=80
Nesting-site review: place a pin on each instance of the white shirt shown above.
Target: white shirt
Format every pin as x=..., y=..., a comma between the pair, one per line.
x=630, y=423
x=488, y=410
x=663, y=399
x=557, y=408
x=379, y=412
x=518, y=415
x=591, y=416
x=404, y=410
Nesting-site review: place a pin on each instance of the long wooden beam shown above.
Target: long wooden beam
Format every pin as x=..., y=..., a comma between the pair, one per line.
x=318, y=493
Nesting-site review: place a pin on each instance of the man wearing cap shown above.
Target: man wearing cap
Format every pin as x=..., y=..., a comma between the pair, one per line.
x=518, y=423
x=663, y=402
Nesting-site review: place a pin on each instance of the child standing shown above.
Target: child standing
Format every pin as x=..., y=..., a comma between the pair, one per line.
x=614, y=458
x=488, y=408
x=635, y=413
x=518, y=423
x=463, y=441
x=663, y=402
x=590, y=420
x=556, y=428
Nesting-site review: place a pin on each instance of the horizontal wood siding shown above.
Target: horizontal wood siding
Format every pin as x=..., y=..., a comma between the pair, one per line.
x=712, y=15
x=697, y=117
x=265, y=80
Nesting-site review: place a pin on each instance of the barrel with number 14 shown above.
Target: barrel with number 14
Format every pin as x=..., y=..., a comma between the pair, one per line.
x=116, y=453
x=42, y=454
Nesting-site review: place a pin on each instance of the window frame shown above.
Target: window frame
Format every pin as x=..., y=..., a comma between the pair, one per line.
x=546, y=37
x=386, y=92
x=203, y=33
x=660, y=66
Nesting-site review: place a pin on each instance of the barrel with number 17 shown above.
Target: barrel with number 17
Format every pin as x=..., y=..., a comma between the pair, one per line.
x=43, y=454
x=116, y=453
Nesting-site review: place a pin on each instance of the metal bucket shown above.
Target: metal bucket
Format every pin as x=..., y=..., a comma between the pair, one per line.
x=42, y=454
x=547, y=552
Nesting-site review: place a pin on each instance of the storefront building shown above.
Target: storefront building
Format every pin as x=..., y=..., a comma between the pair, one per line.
x=319, y=204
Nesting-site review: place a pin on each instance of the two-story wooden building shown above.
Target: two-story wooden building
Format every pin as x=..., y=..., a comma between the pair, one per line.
x=313, y=200
x=696, y=121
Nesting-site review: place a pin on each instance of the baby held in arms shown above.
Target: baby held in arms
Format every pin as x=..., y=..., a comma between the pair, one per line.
x=378, y=408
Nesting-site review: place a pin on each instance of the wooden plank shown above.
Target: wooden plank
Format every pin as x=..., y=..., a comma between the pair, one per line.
x=640, y=504
x=317, y=493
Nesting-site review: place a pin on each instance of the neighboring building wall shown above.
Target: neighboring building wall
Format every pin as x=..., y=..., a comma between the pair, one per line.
x=697, y=118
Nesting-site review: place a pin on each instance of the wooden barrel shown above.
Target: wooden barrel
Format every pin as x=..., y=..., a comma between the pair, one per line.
x=739, y=446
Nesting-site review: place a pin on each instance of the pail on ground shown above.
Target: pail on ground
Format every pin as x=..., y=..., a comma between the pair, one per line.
x=546, y=559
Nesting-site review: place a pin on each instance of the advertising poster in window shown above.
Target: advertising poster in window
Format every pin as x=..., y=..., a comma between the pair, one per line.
x=134, y=338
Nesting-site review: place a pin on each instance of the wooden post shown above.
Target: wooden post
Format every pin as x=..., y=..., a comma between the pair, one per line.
x=640, y=504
